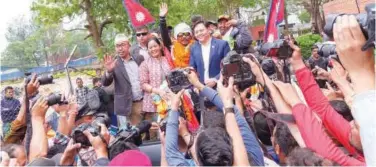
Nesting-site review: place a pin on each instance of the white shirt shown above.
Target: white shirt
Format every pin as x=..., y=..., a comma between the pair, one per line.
x=227, y=36
x=205, y=49
x=144, y=52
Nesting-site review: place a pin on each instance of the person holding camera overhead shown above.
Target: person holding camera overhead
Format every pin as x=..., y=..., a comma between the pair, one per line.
x=152, y=73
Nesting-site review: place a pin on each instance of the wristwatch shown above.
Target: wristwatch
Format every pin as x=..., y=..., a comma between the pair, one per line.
x=229, y=110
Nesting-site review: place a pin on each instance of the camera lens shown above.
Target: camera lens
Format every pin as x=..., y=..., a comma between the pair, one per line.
x=53, y=99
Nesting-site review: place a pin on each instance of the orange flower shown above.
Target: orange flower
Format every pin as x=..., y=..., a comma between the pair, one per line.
x=181, y=54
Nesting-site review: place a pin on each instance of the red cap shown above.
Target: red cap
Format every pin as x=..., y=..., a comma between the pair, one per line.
x=131, y=158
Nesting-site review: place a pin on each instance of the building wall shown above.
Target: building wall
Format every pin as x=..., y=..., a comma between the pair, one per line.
x=346, y=6
x=257, y=32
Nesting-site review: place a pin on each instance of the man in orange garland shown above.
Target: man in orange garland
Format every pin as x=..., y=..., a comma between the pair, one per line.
x=182, y=33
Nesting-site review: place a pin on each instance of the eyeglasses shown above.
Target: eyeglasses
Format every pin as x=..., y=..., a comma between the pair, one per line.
x=187, y=34
x=143, y=34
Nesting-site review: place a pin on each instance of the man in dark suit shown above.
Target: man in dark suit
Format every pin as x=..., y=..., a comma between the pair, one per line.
x=206, y=54
x=123, y=71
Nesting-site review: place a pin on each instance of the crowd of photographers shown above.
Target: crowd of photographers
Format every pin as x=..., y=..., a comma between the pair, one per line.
x=210, y=98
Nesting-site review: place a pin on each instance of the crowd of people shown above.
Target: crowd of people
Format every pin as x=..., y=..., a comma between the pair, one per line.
x=322, y=116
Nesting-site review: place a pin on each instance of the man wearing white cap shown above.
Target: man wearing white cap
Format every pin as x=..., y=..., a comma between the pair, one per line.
x=183, y=35
x=123, y=71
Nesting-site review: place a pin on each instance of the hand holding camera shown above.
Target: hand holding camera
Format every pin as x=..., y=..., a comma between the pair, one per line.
x=100, y=141
x=256, y=70
x=226, y=92
x=175, y=100
x=39, y=109
x=32, y=85
x=70, y=152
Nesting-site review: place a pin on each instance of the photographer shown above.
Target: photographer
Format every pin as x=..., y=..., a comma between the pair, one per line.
x=361, y=67
x=250, y=141
x=318, y=65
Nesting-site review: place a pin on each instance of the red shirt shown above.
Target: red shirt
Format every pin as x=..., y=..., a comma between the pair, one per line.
x=316, y=139
x=338, y=126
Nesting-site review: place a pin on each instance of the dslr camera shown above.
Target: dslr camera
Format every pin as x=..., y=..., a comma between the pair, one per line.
x=365, y=20
x=55, y=98
x=177, y=80
x=234, y=66
x=43, y=79
x=93, y=127
x=279, y=48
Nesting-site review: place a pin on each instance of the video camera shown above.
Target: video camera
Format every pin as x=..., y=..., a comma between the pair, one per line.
x=234, y=66
x=270, y=69
x=43, y=79
x=129, y=135
x=177, y=80
x=279, y=48
x=94, y=128
x=365, y=20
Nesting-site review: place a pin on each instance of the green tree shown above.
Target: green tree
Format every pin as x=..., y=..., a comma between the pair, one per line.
x=306, y=41
x=304, y=17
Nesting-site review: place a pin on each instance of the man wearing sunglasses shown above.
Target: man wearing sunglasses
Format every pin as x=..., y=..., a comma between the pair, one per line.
x=140, y=48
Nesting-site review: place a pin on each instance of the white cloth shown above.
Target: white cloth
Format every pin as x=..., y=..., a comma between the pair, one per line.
x=364, y=114
x=227, y=36
x=205, y=49
x=181, y=28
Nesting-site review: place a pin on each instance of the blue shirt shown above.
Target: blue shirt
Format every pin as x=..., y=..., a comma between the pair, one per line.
x=175, y=158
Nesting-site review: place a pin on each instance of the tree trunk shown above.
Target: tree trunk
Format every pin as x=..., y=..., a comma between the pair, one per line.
x=93, y=26
x=286, y=16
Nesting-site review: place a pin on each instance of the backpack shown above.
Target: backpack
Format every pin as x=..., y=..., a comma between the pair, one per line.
x=93, y=100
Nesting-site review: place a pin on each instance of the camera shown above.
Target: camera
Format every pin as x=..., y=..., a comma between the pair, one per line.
x=279, y=48
x=94, y=128
x=234, y=66
x=270, y=69
x=55, y=98
x=365, y=20
x=326, y=49
x=177, y=80
x=43, y=79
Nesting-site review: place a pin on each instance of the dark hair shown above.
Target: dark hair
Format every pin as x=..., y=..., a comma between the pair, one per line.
x=306, y=157
x=10, y=148
x=56, y=149
x=214, y=148
x=262, y=128
x=8, y=88
x=158, y=42
x=209, y=116
x=78, y=78
x=95, y=80
x=195, y=19
x=142, y=28
x=120, y=148
x=342, y=108
x=314, y=47
x=196, y=24
x=284, y=138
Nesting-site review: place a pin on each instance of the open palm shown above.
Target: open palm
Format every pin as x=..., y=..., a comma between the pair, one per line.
x=109, y=63
x=163, y=9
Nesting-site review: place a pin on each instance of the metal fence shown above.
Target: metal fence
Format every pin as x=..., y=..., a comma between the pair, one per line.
x=17, y=74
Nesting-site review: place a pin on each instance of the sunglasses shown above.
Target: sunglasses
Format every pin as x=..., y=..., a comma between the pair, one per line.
x=142, y=34
x=187, y=34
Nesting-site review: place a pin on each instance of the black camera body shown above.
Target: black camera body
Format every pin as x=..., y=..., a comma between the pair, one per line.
x=326, y=49
x=55, y=98
x=365, y=20
x=177, y=80
x=234, y=66
x=43, y=79
x=279, y=48
x=94, y=128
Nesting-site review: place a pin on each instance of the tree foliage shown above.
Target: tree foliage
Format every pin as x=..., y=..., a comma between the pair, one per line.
x=306, y=41
x=304, y=17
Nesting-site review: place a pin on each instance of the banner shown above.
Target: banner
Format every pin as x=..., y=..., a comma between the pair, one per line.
x=138, y=15
x=275, y=17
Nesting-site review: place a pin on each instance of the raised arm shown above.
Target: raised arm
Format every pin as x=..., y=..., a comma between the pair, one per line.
x=38, y=144
x=163, y=9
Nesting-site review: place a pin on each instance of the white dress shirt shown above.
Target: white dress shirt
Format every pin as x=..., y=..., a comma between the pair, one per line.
x=205, y=49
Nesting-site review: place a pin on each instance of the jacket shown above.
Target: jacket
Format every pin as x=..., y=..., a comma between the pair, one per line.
x=219, y=49
x=122, y=85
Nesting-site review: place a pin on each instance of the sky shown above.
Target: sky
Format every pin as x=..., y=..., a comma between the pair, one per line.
x=9, y=10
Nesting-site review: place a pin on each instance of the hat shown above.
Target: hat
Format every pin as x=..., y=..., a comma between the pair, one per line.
x=209, y=22
x=42, y=162
x=180, y=28
x=221, y=17
x=121, y=38
x=131, y=158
